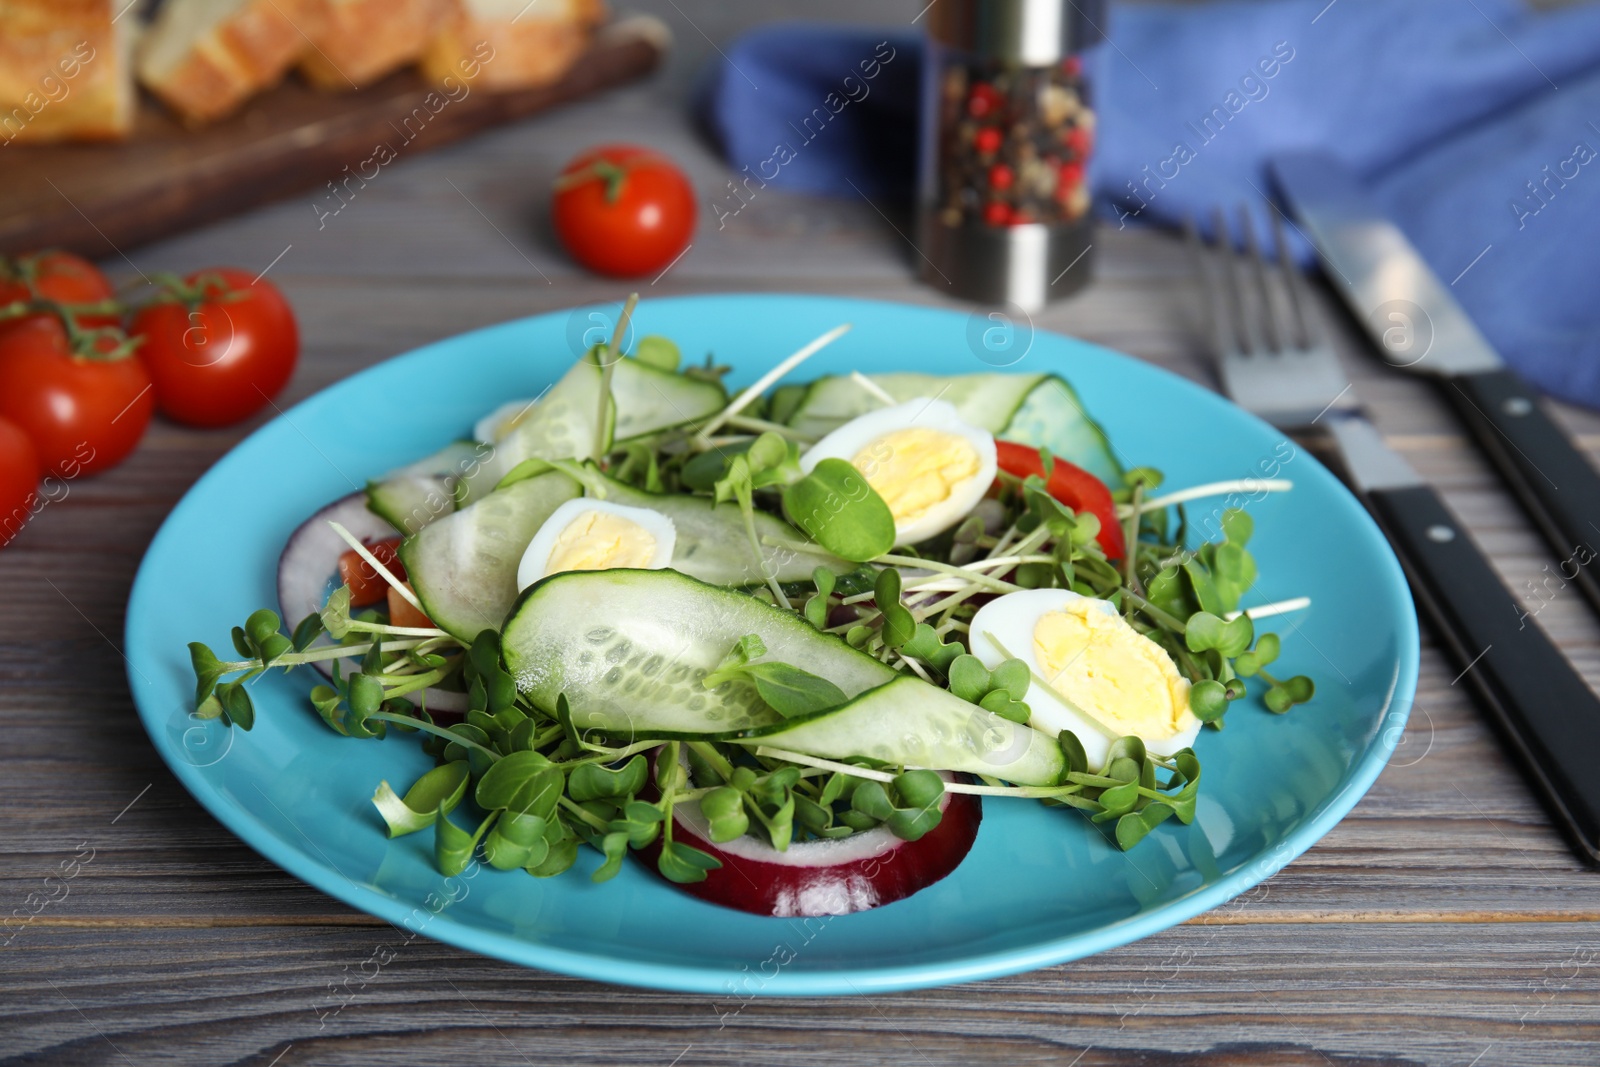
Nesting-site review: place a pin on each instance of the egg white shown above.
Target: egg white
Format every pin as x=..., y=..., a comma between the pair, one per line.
x=1009, y=621
x=494, y=426
x=857, y=435
x=535, y=562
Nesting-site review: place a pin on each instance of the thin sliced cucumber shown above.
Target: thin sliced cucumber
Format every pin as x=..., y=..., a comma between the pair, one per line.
x=1032, y=409
x=985, y=400
x=786, y=401
x=464, y=567
x=712, y=543
x=562, y=424
x=629, y=650
x=913, y=724
x=1053, y=417
x=414, y=495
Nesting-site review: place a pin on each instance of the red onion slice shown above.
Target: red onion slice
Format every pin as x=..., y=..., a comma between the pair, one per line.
x=306, y=575
x=865, y=870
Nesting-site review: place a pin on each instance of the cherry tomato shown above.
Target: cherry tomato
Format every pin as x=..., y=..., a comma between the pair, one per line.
x=623, y=210
x=987, y=140
x=997, y=213
x=367, y=586
x=218, y=348
x=1080, y=141
x=59, y=276
x=84, y=411
x=19, y=479
x=1001, y=177
x=1073, y=486
x=401, y=610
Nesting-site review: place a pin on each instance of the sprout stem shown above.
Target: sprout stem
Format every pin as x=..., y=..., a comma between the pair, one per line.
x=743, y=400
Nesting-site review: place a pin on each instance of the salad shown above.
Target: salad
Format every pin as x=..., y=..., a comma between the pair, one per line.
x=780, y=643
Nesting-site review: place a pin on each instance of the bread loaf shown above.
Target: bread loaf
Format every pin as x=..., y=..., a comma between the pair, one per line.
x=362, y=40
x=513, y=44
x=65, y=70
x=204, y=58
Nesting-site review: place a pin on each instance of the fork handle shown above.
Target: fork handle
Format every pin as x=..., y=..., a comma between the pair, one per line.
x=1558, y=487
x=1544, y=708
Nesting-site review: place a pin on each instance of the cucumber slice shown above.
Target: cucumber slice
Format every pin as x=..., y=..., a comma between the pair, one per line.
x=712, y=543
x=914, y=724
x=562, y=424
x=464, y=567
x=1032, y=409
x=629, y=648
x=1052, y=416
x=414, y=495
x=985, y=400
x=786, y=401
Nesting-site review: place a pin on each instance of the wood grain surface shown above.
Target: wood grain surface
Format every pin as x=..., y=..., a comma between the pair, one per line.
x=1442, y=922
x=168, y=178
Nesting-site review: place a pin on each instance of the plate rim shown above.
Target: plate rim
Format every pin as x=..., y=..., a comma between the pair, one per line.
x=323, y=876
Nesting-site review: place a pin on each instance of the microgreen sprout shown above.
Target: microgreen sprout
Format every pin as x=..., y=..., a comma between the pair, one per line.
x=525, y=784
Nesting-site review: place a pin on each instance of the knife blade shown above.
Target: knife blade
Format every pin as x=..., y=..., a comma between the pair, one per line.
x=1417, y=325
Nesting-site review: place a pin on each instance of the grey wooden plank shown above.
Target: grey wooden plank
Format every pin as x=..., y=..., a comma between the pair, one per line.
x=1506, y=994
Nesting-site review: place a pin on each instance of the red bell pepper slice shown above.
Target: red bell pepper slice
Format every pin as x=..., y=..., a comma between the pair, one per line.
x=1073, y=486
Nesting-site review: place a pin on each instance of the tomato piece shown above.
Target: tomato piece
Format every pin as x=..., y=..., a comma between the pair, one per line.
x=58, y=276
x=218, y=348
x=1073, y=486
x=367, y=586
x=19, y=480
x=623, y=210
x=84, y=411
x=403, y=613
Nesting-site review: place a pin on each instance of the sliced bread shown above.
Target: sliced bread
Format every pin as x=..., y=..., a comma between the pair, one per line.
x=204, y=58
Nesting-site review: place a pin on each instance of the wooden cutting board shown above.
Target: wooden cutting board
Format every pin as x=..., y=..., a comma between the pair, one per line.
x=95, y=198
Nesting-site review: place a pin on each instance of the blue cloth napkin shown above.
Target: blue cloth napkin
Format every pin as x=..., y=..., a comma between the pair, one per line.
x=1475, y=122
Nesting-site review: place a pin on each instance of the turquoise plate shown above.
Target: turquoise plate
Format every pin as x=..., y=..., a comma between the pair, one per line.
x=1041, y=886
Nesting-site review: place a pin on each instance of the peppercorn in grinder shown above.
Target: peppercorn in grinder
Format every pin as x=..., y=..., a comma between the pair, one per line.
x=1003, y=200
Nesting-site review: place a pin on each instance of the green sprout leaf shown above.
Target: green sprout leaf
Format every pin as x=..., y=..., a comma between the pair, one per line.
x=1207, y=632
x=1250, y=663
x=590, y=781
x=683, y=864
x=926, y=646
x=898, y=624
x=441, y=789
x=838, y=510
x=1286, y=694
x=1208, y=700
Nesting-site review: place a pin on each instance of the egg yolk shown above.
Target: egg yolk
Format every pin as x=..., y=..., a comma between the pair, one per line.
x=1106, y=669
x=916, y=469
x=599, y=540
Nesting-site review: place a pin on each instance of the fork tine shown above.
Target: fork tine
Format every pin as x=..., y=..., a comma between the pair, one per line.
x=1210, y=299
x=1270, y=326
x=1293, y=283
x=1232, y=292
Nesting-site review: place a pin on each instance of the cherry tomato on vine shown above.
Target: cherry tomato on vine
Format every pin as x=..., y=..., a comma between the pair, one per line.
x=19, y=479
x=623, y=210
x=58, y=276
x=83, y=400
x=219, y=346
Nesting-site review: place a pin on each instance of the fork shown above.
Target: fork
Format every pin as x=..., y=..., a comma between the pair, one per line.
x=1275, y=361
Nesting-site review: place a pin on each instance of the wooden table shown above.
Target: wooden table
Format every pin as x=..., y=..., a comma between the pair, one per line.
x=1442, y=922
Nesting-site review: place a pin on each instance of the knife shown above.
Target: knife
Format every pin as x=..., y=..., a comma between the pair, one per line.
x=1542, y=706
x=1417, y=325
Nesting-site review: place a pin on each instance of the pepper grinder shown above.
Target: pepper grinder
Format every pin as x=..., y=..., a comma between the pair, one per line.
x=1008, y=127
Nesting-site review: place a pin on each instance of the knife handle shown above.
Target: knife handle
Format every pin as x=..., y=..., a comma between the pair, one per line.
x=1557, y=485
x=1542, y=705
